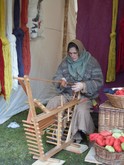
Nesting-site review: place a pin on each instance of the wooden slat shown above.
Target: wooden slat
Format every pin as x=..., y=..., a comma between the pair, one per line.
x=31, y=134
x=59, y=135
x=51, y=142
x=32, y=146
x=46, y=122
x=34, y=153
x=40, y=105
x=51, y=133
x=28, y=126
x=31, y=138
x=32, y=142
x=27, y=122
x=56, y=110
x=46, y=125
x=29, y=130
x=32, y=149
x=50, y=118
x=52, y=129
x=52, y=138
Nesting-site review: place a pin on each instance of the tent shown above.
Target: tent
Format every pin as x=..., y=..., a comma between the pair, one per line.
x=48, y=49
x=46, y=54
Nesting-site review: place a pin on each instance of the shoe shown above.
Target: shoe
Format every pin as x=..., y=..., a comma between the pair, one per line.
x=78, y=141
x=84, y=138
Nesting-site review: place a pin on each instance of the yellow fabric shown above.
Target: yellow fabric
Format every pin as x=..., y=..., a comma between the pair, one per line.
x=6, y=52
x=111, y=72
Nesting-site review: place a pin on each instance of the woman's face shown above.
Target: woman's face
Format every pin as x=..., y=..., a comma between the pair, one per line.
x=73, y=53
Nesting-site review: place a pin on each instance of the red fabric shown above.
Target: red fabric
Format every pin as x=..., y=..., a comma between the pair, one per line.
x=120, y=52
x=26, y=40
x=93, y=29
x=2, y=70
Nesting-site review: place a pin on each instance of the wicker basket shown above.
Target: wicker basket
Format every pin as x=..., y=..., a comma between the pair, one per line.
x=110, y=117
x=104, y=156
x=116, y=100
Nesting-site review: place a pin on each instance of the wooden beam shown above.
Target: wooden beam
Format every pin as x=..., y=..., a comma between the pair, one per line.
x=56, y=110
x=65, y=29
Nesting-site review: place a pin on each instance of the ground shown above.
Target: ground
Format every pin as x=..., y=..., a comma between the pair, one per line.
x=14, y=150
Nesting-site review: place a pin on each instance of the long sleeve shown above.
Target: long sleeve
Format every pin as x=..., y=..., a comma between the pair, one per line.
x=93, y=78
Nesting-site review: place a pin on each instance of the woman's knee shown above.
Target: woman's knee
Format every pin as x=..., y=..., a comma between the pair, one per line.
x=55, y=102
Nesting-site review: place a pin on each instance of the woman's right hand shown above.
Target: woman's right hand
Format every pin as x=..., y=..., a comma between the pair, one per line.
x=63, y=82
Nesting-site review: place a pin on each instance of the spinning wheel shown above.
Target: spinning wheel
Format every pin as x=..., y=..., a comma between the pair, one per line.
x=56, y=123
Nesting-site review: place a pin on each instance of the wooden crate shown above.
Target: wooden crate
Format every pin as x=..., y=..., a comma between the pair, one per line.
x=110, y=117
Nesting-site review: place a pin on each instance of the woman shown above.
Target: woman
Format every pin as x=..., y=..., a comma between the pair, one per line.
x=83, y=71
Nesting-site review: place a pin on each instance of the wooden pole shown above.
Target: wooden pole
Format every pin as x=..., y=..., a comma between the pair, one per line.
x=65, y=27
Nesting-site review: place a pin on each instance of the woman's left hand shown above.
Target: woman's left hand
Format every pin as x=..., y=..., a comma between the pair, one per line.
x=78, y=86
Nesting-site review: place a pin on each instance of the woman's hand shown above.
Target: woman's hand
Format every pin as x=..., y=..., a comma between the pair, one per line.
x=78, y=86
x=63, y=82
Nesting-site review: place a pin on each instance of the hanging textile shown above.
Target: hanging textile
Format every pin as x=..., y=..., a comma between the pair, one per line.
x=35, y=19
x=6, y=53
x=120, y=52
x=111, y=72
x=12, y=40
x=18, y=32
x=90, y=27
x=26, y=40
x=2, y=89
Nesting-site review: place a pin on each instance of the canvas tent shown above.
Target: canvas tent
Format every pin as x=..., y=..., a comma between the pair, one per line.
x=92, y=27
x=46, y=53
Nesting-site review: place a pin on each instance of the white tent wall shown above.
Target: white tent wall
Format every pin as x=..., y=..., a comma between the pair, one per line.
x=72, y=18
x=46, y=54
x=47, y=50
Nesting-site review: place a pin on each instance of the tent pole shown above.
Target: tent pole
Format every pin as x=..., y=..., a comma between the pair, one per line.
x=65, y=27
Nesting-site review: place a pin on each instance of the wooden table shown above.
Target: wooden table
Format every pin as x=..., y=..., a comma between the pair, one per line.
x=90, y=157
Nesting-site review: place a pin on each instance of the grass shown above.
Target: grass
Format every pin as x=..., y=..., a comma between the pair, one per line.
x=14, y=151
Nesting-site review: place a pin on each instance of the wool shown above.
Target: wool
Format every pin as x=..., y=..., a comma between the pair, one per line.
x=26, y=40
x=12, y=40
x=7, y=67
x=6, y=53
x=18, y=32
x=1, y=70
